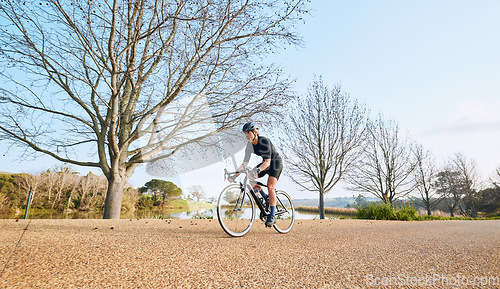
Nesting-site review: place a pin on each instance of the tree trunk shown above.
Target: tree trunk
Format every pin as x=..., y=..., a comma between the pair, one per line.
x=428, y=210
x=113, y=204
x=56, y=198
x=321, y=206
x=473, y=212
x=162, y=201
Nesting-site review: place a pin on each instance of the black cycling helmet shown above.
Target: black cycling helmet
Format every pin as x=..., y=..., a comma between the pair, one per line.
x=249, y=126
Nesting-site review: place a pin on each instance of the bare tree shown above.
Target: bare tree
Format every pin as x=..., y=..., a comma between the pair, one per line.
x=31, y=182
x=472, y=194
x=65, y=183
x=73, y=191
x=130, y=82
x=4, y=200
x=424, y=174
x=197, y=192
x=86, y=184
x=49, y=181
x=97, y=190
x=386, y=166
x=491, y=196
x=495, y=180
x=448, y=184
x=321, y=138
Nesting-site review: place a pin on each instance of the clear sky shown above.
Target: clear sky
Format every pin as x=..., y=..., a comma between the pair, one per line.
x=432, y=66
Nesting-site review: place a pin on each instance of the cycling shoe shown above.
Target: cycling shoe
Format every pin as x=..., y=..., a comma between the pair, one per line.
x=271, y=220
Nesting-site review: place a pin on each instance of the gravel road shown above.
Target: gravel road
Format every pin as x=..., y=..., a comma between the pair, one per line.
x=198, y=254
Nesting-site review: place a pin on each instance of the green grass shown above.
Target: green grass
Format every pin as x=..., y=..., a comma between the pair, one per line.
x=427, y=218
x=179, y=205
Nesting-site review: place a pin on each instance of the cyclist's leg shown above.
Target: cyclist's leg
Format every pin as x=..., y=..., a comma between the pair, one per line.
x=261, y=174
x=271, y=188
x=274, y=172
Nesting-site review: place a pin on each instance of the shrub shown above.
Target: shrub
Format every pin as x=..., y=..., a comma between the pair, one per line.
x=130, y=199
x=406, y=214
x=145, y=202
x=376, y=211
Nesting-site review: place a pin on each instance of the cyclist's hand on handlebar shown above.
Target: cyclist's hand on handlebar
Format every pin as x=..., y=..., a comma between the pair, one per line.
x=231, y=178
x=254, y=173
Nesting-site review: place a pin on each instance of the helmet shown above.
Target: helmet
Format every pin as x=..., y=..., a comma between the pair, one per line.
x=249, y=126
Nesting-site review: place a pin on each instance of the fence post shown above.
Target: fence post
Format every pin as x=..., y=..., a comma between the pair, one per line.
x=28, y=205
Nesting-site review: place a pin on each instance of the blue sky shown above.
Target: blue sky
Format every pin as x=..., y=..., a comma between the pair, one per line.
x=432, y=66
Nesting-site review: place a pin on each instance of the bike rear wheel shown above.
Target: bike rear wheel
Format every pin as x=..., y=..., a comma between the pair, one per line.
x=235, y=211
x=285, y=213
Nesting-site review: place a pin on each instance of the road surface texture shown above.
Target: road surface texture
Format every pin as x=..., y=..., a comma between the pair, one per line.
x=198, y=254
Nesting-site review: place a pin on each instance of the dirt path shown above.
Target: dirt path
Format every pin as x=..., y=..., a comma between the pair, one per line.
x=198, y=254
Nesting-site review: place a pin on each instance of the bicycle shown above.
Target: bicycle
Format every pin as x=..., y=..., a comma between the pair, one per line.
x=236, y=207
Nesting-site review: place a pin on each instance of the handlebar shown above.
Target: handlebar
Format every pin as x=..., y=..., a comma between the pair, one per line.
x=245, y=170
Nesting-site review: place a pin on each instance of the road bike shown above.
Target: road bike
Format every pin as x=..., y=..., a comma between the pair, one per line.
x=236, y=206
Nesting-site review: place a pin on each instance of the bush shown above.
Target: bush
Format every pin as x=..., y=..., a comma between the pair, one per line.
x=376, y=212
x=145, y=202
x=406, y=214
x=130, y=199
x=386, y=212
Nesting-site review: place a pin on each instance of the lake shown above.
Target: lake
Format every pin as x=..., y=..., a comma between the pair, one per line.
x=147, y=214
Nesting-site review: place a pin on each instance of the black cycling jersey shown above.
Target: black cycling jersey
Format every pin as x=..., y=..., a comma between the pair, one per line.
x=265, y=149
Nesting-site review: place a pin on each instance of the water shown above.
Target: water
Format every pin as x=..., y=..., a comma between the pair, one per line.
x=138, y=214
x=150, y=214
x=311, y=216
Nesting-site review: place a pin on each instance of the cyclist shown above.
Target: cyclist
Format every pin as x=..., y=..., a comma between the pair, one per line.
x=271, y=165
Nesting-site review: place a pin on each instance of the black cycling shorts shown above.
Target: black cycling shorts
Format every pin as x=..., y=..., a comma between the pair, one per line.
x=274, y=169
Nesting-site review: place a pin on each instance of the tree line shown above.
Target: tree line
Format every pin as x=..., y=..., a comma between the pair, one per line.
x=62, y=189
x=331, y=138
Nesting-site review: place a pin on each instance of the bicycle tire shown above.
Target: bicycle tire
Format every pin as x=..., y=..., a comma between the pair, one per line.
x=236, y=216
x=285, y=213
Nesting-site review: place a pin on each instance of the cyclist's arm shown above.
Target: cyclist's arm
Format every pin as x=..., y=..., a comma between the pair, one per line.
x=265, y=164
x=244, y=164
x=237, y=174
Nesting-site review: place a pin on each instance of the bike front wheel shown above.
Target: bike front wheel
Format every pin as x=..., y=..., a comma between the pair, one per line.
x=285, y=213
x=235, y=211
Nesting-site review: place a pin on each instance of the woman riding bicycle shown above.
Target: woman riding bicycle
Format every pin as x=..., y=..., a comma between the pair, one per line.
x=271, y=165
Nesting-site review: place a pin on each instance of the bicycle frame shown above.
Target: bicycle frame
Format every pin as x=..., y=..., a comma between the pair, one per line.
x=247, y=184
x=236, y=195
